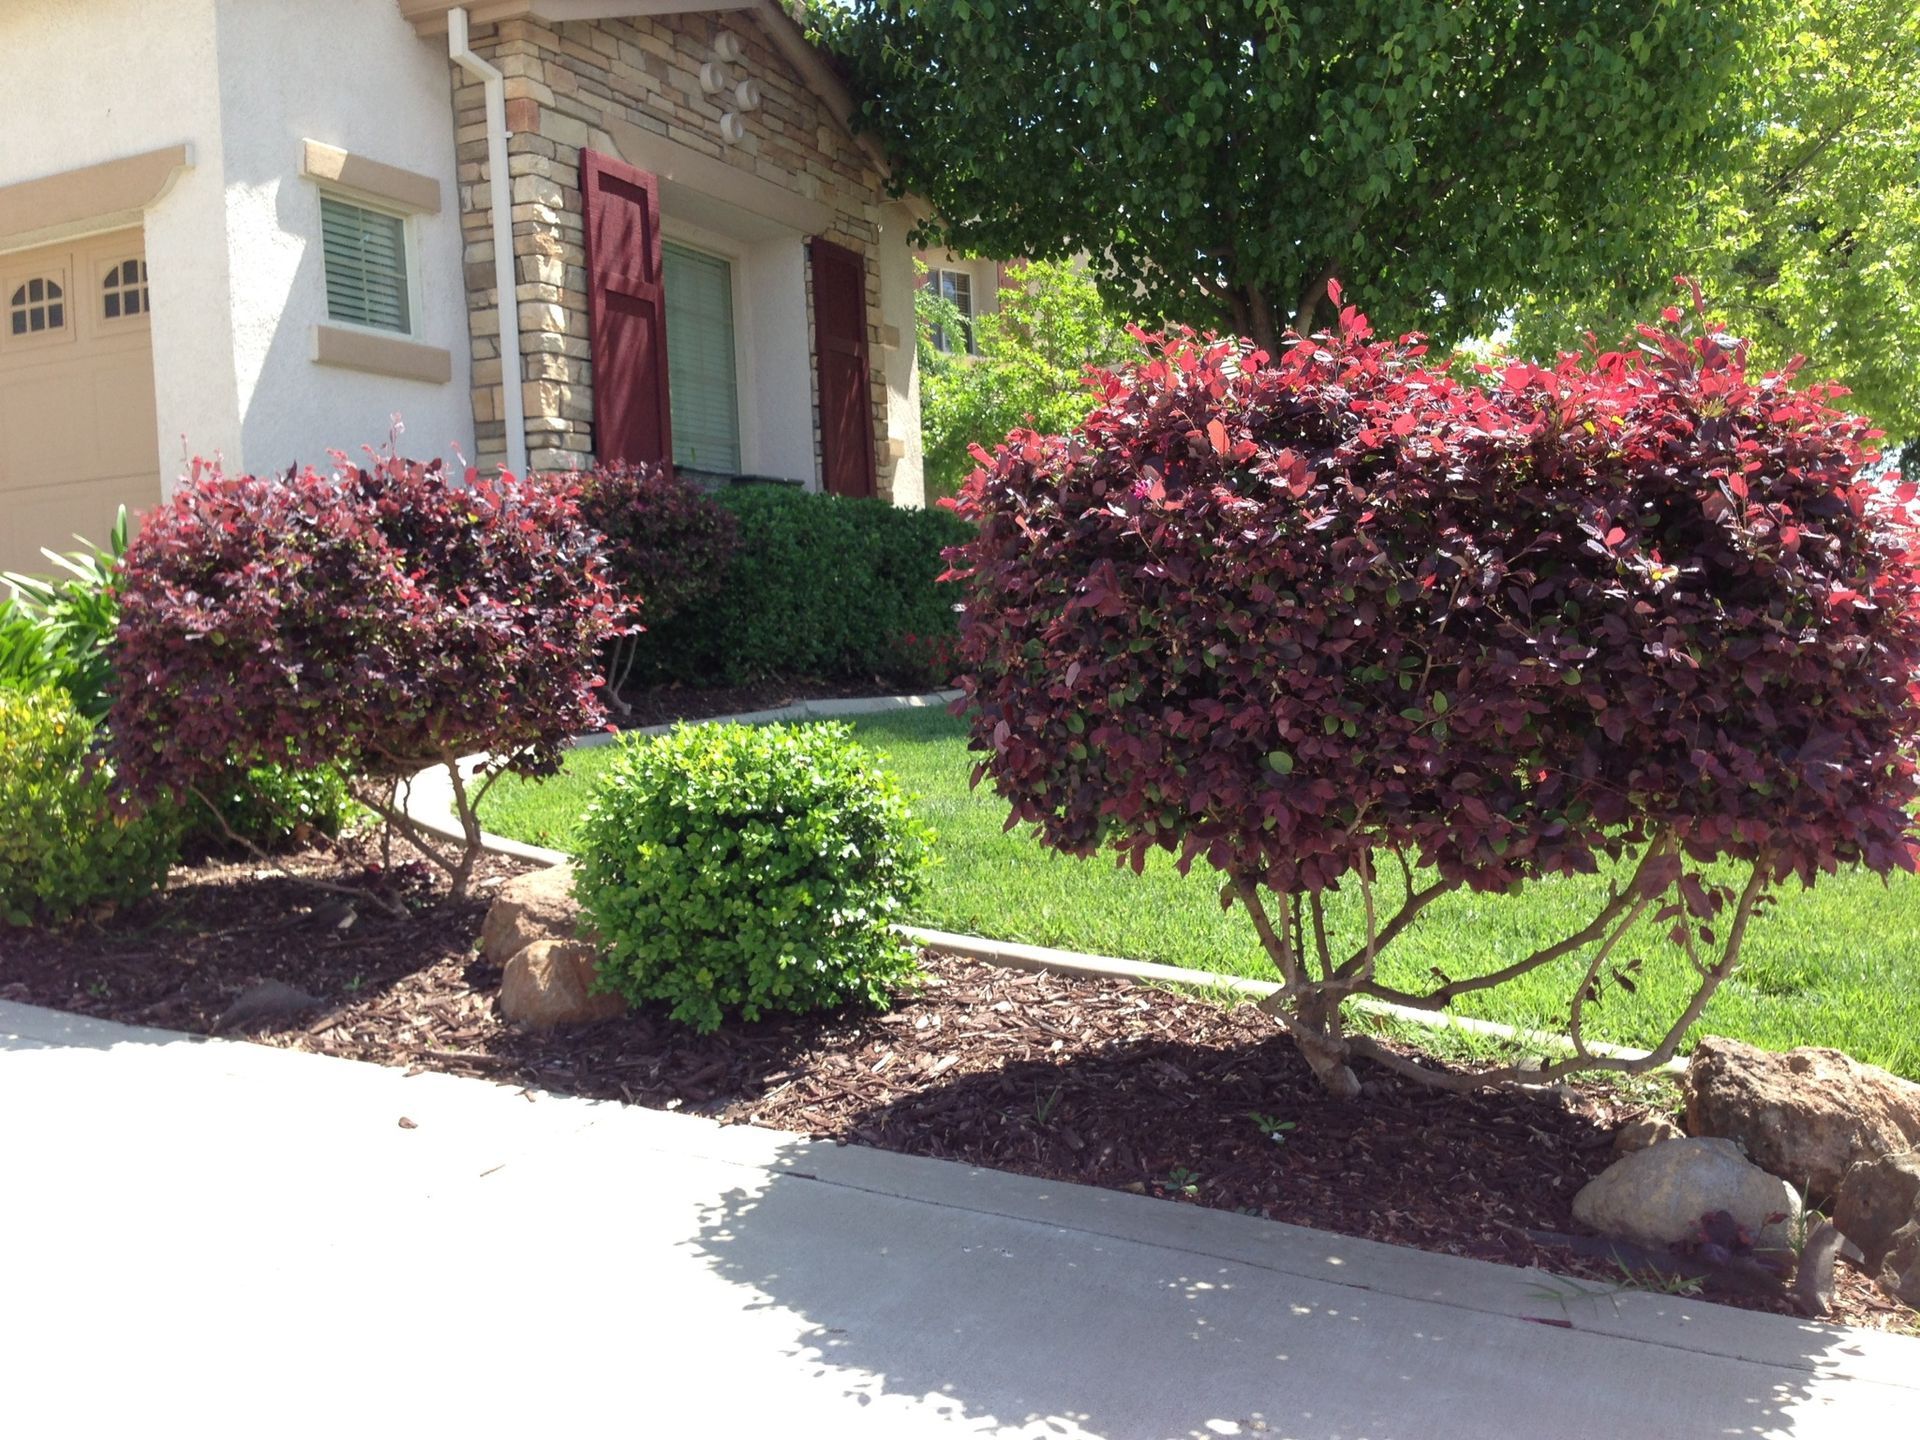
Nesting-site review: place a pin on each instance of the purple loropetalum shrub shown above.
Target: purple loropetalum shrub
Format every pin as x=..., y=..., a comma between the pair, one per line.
x=1315, y=615
x=669, y=546
x=384, y=618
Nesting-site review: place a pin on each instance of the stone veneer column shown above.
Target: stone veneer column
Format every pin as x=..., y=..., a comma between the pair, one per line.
x=565, y=84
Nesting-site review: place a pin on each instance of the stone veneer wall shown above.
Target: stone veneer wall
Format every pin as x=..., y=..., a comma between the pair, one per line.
x=564, y=82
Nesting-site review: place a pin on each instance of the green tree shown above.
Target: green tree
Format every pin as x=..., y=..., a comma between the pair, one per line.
x=1034, y=352
x=1806, y=230
x=1220, y=162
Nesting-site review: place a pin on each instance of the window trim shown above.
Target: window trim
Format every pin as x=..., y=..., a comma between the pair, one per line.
x=331, y=167
x=410, y=255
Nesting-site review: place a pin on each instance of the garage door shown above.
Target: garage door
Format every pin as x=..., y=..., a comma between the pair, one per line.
x=77, y=433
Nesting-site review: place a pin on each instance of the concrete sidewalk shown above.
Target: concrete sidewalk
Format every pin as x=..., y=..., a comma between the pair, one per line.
x=222, y=1239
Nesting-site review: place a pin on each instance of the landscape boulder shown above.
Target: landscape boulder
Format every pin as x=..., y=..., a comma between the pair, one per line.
x=1655, y=1197
x=550, y=983
x=1804, y=1115
x=1876, y=1199
x=1900, y=1272
x=536, y=906
x=1647, y=1130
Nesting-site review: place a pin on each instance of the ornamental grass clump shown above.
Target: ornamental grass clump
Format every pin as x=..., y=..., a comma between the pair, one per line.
x=734, y=870
x=381, y=620
x=1332, y=618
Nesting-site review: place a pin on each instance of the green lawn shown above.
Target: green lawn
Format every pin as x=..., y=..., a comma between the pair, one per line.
x=1838, y=965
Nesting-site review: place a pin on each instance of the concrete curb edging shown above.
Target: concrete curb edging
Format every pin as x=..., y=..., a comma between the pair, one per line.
x=427, y=800
x=1014, y=956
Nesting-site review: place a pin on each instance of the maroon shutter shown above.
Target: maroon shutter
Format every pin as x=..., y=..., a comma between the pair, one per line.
x=627, y=311
x=840, y=351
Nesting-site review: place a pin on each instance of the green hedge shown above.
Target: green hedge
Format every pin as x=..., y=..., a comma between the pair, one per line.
x=820, y=588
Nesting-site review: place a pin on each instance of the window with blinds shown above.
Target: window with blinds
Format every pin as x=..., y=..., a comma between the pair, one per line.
x=366, y=260
x=703, y=394
x=956, y=286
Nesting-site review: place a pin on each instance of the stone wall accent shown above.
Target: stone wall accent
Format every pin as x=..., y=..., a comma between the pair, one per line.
x=567, y=83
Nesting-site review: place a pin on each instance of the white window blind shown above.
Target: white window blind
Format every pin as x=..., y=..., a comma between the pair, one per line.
x=366, y=259
x=702, y=390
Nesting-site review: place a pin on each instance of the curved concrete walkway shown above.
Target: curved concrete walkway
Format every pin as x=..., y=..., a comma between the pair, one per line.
x=219, y=1238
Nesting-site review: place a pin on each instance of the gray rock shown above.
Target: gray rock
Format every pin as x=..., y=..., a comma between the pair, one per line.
x=269, y=1000
x=1877, y=1198
x=1655, y=1196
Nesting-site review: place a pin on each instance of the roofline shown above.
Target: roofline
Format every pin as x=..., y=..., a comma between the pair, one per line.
x=780, y=24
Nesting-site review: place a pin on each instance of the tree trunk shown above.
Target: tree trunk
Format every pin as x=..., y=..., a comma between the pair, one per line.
x=1317, y=1037
x=1310, y=298
x=1253, y=317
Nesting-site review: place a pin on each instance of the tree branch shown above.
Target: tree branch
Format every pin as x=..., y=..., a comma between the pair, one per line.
x=1279, y=948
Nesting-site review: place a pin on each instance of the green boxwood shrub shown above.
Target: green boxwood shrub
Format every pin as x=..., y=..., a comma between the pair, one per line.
x=272, y=806
x=820, y=588
x=737, y=870
x=63, y=852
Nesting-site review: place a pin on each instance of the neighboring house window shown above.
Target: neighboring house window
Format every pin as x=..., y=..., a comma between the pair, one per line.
x=124, y=290
x=703, y=396
x=37, y=307
x=956, y=286
x=366, y=262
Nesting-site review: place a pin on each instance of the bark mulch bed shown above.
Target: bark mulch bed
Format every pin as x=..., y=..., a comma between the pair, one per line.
x=1092, y=1081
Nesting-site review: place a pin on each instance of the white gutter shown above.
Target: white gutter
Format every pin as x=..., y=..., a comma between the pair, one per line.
x=513, y=402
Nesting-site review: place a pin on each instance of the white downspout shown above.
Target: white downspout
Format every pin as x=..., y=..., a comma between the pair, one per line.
x=495, y=86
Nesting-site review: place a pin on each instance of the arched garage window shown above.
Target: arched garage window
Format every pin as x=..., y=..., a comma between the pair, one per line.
x=124, y=290
x=36, y=307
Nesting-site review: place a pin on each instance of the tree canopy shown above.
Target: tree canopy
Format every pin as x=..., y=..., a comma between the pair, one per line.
x=1030, y=367
x=1220, y=162
x=1806, y=229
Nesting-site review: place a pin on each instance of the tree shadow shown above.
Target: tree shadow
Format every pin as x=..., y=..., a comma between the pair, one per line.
x=1027, y=1306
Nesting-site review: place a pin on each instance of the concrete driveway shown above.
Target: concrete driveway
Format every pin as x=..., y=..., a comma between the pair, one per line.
x=215, y=1238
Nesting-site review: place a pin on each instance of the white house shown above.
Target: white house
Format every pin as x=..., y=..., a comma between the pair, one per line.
x=264, y=228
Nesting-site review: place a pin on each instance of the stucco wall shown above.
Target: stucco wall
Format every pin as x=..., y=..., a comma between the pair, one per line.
x=352, y=74
x=91, y=82
x=233, y=252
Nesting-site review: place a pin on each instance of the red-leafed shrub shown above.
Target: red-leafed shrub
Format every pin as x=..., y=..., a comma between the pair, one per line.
x=1332, y=614
x=669, y=546
x=927, y=662
x=668, y=542
x=385, y=619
